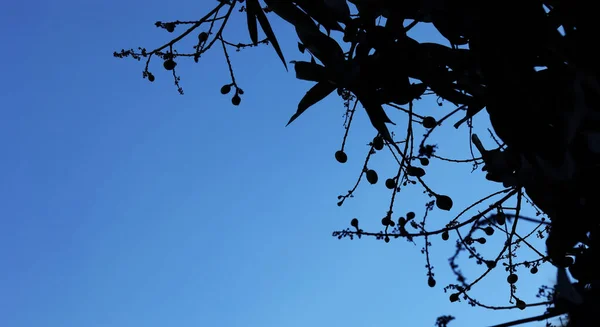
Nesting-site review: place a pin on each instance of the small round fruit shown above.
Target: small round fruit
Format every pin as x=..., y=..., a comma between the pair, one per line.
x=415, y=171
x=354, y=223
x=372, y=176
x=429, y=122
x=443, y=202
x=490, y=264
x=341, y=156
x=225, y=88
x=386, y=221
x=390, y=183
x=480, y=240
x=202, y=37
x=170, y=27
x=500, y=218
x=401, y=221
x=378, y=143
x=533, y=270
x=387, y=239
x=410, y=215
x=424, y=161
x=521, y=304
x=151, y=77
x=489, y=230
x=453, y=297
x=235, y=100
x=431, y=282
x=512, y=278
x=169, y=64
x=445, y=235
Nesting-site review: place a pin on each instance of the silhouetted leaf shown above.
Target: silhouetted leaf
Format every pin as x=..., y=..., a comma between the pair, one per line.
x=309, y=71
x=417, y=90
x=317, y=93
x=376, y=113
x=339, y=8
x=288, y=11
x=321, y=13
x=326, y=49
x=252, y=7
x=266, y=27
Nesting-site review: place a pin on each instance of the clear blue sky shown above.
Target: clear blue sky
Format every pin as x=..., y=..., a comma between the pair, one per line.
x=125, y=204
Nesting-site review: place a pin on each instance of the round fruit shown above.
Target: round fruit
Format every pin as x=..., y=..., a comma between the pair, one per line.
x=170, y=27
x=481, y=240
x=424, y=161
x=489, y=231
x=378, y=143
x=169, y=64
x=443, y=202
x=500, y=218
x=225, y=89
x=512, y=278
x=410, y=215
x=415, y=171
x=390, y=183
x=521, y=304
x=341, y=156
x=534, y=270
x=235, y=100
x=429, y=122
x=387, y=239
x=150, y=77
x=372, y=176
x=445, y=235
x=453, y=297
x=354, y=223
x=401, y=221
x=490, y=264
x=202, y=37
x=431, y=282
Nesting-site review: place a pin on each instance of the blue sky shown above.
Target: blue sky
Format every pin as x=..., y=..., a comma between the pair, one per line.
x=123, y=203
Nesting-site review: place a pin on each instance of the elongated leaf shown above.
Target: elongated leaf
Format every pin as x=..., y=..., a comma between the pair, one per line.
x=266, y=27
x=309, y=71
x=288, y=11
x=321, y=13
x=252, y=7
x=340, y=9
x=317, y=93
x=376, y=113
x=326, y=49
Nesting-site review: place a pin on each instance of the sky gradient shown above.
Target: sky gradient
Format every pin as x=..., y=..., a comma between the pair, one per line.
x=124, y=204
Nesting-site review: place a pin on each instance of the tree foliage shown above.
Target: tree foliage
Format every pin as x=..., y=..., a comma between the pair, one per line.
x=530, y=64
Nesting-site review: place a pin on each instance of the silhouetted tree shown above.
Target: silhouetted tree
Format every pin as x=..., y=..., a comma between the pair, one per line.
x=531, y=64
